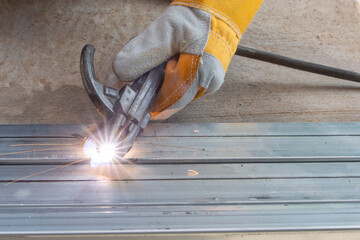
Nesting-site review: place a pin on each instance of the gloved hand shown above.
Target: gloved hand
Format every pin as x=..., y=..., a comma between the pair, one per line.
x=198, y=39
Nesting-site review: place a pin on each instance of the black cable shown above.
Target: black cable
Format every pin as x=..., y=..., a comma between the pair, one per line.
x=297, y=64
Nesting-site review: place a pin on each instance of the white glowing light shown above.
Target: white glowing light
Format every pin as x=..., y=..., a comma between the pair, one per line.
x=107, y=152
x=89, y=148
x=101, y=155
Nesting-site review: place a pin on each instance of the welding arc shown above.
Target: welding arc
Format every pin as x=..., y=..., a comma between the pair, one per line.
x=297, y=64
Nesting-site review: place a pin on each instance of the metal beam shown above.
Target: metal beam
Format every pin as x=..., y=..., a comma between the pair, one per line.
x=189, y=178
x=192, y=143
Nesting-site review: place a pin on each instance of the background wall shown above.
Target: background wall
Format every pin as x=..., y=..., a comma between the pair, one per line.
x=41, y=41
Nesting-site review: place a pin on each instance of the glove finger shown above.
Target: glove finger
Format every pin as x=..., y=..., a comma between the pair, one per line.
x=185, y=100
x=177, y=30
x=179, y=77
x=113, y=81
x=209, y=78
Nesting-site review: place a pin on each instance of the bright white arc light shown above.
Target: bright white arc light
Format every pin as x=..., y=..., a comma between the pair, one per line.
x=99, y=156
x=107, y=152
x=104, y=156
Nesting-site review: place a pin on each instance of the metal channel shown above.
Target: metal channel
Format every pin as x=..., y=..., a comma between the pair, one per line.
x=193, y=129
x=191, y=143
x=188, y=178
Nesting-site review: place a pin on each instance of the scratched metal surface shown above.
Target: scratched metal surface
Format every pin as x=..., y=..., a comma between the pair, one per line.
x=187, y=178
x=195, y=143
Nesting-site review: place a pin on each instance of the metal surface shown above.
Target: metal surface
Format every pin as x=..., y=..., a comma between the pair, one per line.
x=191, y=178
x=195, y=143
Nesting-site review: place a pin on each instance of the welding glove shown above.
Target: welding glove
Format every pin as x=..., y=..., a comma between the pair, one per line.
x=197, y=39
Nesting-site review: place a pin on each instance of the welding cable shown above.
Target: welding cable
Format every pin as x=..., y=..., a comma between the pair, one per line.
x=297, y=64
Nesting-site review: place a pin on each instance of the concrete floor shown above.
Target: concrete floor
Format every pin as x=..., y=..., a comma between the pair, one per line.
x=41, y=43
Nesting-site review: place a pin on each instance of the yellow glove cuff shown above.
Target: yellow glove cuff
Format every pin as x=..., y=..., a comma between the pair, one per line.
x=222, y=42
x=229, y=20
x=235, y=13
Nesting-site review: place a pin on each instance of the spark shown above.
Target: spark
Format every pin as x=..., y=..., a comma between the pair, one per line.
x=100, y=154
x=48, y=170
x=42, y=144
x=105, y=155
x=30, y=151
